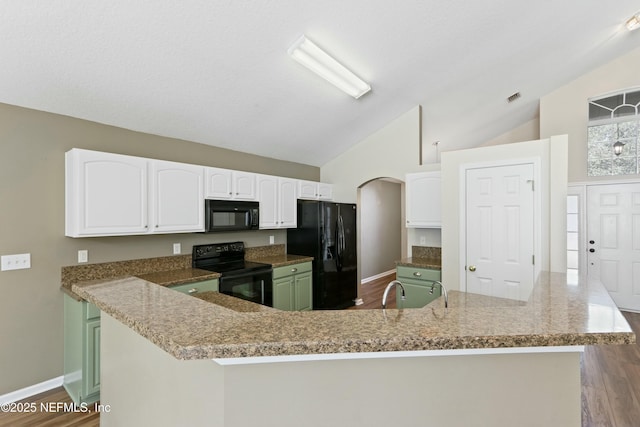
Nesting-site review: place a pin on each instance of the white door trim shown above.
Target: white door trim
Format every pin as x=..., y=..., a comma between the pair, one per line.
x=580, y=190
x=537, y=214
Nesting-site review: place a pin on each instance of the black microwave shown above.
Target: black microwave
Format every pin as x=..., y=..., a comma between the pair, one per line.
x=230, y=215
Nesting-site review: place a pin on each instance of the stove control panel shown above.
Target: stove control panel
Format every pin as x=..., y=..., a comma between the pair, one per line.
x=218, y=250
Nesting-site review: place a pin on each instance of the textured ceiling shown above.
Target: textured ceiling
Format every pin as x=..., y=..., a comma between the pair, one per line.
x=218, y=73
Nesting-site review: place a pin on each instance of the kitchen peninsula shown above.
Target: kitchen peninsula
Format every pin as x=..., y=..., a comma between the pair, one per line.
x=170, y=359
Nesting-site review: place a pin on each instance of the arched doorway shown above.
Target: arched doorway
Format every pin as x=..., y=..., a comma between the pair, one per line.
x=381, y=231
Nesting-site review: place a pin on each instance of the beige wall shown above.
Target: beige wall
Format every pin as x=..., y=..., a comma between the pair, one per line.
x=551, y=154
x=565, y=110
x=32, y=147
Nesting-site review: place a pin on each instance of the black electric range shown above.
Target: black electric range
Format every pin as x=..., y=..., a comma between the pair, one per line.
x=248, y=280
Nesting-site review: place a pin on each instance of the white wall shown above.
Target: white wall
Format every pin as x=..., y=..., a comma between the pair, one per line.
x=552, y=156
x=527, y=131
x=565, y=110
x=391, y=152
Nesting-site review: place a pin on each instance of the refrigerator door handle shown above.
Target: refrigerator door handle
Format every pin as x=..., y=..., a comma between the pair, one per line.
x=340, y=243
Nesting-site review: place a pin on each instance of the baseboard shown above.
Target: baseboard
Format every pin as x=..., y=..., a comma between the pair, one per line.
x=32, y=390
x=377, y=276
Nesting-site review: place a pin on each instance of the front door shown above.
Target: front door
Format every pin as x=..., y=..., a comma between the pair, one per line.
x=613, y=241
x=500, y=231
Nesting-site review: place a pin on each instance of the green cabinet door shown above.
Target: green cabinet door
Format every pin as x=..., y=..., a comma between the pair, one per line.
x=293, y=287
x=303, y=292
x=282, y=293
x=417, y=285
x=416, y=295
x=81, y=350
x=91, y=377
x=197, y=287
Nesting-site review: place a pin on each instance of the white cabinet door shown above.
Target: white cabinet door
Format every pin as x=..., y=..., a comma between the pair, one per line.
x=423, y=200
x=288, y=202
x=105, y=194
x=244, y=186
x=325, y=191
x=229, y=184
x=278, y=202
x=219, y=184
x=268, y=197
x=177, y=194
x=308, y=190
x=312, y=190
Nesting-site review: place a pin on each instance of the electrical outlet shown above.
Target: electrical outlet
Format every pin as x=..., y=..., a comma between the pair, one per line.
x=83, y=255
x=15, y=262
x=272, y=240
x=177, y=248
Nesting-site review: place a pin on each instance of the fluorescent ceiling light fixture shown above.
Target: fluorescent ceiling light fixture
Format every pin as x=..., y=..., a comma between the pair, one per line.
x=311, y=56
x=633, y=23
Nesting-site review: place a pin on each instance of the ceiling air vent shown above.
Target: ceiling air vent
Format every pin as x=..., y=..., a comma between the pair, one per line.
x=514, y=97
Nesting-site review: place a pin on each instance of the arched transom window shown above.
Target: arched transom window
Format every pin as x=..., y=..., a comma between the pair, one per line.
x=613, y=144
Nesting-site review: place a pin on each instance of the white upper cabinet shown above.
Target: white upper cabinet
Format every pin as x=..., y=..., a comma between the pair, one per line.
x=105, y=194
x=229, y=184
x=113, y=195
x=423, y=200
x=278, y=202
x=219, y=184
x=177, y=194
x=312, y=190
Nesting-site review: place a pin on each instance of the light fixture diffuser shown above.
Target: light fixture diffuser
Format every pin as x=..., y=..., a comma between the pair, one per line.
x=633, y=23
x=311, y=56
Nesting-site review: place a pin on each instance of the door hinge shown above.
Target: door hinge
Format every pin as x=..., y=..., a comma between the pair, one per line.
x=533, y=259
x=533, y=184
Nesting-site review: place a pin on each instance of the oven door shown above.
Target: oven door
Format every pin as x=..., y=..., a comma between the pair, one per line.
x=253, y=286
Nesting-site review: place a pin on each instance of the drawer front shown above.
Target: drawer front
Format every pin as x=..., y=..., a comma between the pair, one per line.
x=197, y=287
x=91, y=311
x=416, y=273
x=289, y=270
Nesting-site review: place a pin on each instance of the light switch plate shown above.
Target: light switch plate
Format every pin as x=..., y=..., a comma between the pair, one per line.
x=15, y=262
x=177, y=248
x=83, y=255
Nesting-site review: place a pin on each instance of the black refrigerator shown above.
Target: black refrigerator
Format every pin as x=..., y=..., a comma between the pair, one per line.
x=327, y=232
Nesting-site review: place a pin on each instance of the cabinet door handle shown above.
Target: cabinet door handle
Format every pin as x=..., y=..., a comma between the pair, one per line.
x=293, y=270
x=417, y=274
x=192, y=290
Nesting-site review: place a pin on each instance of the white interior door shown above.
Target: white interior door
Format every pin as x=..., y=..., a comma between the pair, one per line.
x=613, y=241
x=500, y=231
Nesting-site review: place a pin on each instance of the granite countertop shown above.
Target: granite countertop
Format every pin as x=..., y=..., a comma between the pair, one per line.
x=281, y=260
x=421, y=262
x=556, y=314
x=179, y=277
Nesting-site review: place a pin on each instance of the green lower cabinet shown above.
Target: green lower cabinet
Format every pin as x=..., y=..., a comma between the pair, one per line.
x=293, y=287
x=81, y=350
x=417, y=285
x=197, y=287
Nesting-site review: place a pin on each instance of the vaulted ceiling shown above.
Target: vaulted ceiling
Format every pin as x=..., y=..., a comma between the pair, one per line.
x=217, y=72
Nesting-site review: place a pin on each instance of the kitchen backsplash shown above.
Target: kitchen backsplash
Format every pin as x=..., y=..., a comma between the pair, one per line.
x=264, y=251
x=106, y=270
x=426, y=252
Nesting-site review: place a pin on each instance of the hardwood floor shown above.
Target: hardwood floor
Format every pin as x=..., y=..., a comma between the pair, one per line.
x=48, y=410
x=610, y=381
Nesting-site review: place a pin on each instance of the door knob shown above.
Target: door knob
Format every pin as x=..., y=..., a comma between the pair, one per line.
x=472, y=268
